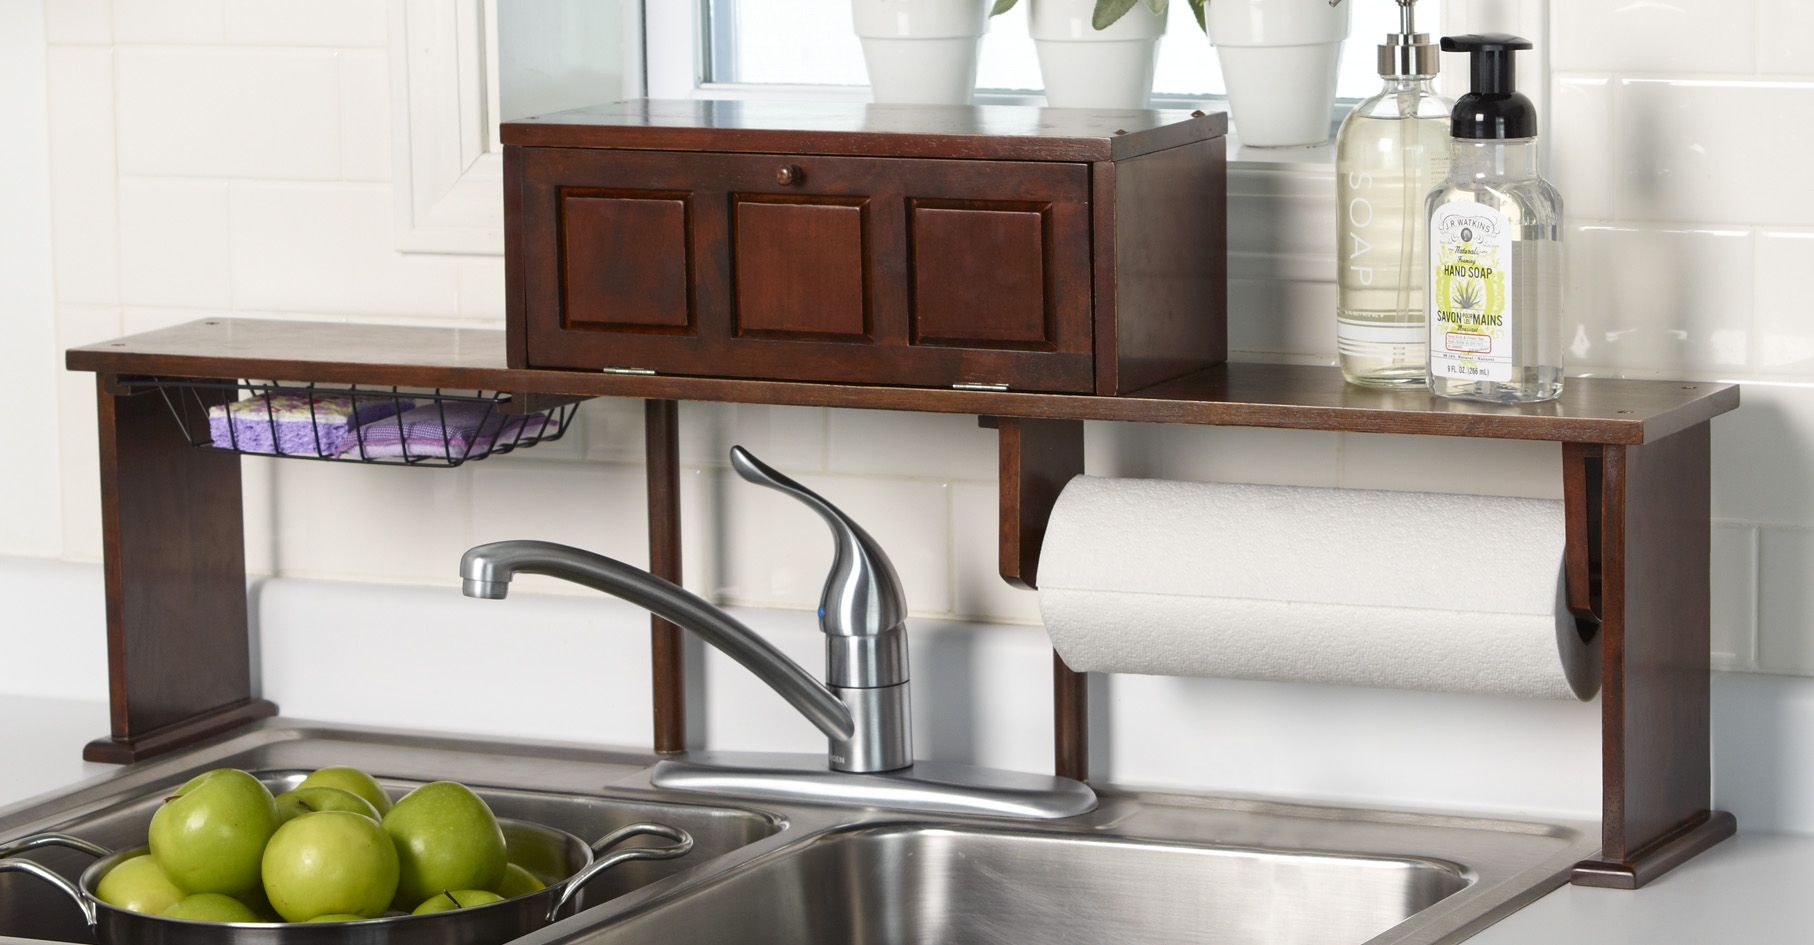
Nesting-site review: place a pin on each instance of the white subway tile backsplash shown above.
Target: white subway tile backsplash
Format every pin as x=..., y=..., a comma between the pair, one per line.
x=1761, y=456
x=1691, y=151
x=787, y=438
x=1124, y=450
x=169, y=21
x=1251, y=454
x=229, y=112
x=1785, y=37
x=1734, y=617
x=1659, y=300
x=593, y=506
x=1784, y=339
x=1653, y=35
x=365, y=117
x=371, y=523
x=614, y=429
x=1451, y=464
x=78, y=444
x=1282, y=317
x=328, y=248
x=886, y=443
x=316, y=23
x=769, y=550
x=173, y=242
x=1785, y=617
x=83, y=189
x=78, y=21
x=1581, y=124
x=977, y=589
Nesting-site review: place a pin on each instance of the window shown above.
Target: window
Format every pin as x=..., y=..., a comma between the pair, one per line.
x=811, y=43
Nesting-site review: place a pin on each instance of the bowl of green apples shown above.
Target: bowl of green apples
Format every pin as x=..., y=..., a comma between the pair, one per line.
x=330, y=861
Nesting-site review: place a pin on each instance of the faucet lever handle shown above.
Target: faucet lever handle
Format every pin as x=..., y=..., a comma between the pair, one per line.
x=863, y=596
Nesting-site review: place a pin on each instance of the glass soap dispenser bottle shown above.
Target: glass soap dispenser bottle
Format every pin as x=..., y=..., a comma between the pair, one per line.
x=1495, y=243
x=1391, y=151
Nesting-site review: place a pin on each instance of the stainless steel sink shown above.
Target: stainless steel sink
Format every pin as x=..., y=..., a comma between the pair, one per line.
x=930, y=885
x=1143, y=867
x=512, y=781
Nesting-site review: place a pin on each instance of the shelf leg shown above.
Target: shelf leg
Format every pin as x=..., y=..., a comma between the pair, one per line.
x=661, y=419
x=1654, y=548
x=173, y=552
x=1037, y=458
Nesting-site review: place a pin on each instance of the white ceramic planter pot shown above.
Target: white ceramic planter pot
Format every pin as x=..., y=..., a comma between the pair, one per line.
x=1279, y=59
x=921, y=52
x=1087, y=68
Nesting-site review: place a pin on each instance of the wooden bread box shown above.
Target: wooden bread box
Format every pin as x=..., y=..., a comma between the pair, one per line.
x=1060, y=250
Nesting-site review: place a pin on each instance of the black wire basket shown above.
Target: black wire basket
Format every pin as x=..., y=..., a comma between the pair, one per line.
x=353, y=423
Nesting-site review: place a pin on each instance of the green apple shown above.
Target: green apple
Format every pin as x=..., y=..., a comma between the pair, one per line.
x=458, y=899
x=446, y=839
x=517, y=881
x=209, y=835
x=328, y=863
x=336, y=917
x=308, y=800
x=210, y=907
x=138, y=885
x=354, y=782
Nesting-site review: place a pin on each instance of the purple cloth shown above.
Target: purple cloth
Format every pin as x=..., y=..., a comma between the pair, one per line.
x=451, y=430
x=296, y=424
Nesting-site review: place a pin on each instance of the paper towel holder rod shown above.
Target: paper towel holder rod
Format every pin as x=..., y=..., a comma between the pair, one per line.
x=1636, y=554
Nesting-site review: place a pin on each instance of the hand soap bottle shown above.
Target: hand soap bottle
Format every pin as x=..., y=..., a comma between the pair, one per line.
x=1495, y=291
x=1391, y=150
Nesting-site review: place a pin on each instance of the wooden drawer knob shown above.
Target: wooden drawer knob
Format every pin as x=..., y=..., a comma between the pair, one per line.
x=789, y=175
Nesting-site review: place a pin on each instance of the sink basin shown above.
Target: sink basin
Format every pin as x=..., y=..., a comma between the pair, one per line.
x=1142, y=867
x=930, y=885
x=29, y=909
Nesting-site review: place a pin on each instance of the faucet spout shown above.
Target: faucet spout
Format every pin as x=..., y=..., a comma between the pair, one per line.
x=486, y=571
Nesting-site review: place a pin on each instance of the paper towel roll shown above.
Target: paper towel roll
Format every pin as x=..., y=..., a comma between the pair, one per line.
x=1404, y=590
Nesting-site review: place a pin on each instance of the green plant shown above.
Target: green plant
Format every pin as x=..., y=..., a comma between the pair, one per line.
x=1108, y=11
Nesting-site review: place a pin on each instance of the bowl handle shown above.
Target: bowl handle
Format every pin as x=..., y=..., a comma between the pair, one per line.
x=682, y=842
x=64, y=840
x=46, y=874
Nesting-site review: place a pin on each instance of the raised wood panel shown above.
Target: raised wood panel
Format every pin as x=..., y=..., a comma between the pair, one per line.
x=983, y=274
x=800, y=267
x=627, y=261
x=783, y=307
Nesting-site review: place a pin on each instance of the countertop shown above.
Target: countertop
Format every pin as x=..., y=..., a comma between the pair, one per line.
x=1752, y=889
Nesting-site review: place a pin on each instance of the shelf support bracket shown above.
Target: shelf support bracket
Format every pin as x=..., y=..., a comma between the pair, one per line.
x=661, y=434
x=179, y=660
x=1038, y=457
x=1642, y=514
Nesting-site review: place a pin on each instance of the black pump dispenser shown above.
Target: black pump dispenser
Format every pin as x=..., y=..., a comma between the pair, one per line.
x=1494, y=110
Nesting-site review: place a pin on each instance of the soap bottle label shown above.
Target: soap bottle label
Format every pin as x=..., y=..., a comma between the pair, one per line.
x=1470, y=293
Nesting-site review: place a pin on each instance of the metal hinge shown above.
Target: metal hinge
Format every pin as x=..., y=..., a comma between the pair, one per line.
x=638, y=371
x=974, y=385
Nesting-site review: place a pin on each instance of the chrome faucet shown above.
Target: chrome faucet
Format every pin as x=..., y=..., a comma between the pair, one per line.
x=863, y=707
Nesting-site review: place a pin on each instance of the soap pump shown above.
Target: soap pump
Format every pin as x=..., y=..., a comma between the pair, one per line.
x=1391, y=151
x=1495, y=243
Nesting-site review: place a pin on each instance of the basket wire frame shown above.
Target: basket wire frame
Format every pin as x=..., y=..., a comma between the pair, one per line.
x=461, y=439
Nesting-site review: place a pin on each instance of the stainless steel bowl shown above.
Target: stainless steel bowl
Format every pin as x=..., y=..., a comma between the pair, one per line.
x=542, y=850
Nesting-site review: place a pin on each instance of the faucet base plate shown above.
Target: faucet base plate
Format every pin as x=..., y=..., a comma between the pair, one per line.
x=928, y=787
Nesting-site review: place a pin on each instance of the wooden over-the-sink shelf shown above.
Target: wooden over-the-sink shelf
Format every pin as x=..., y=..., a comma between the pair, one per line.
x=1304, y=397
x=1635, y=464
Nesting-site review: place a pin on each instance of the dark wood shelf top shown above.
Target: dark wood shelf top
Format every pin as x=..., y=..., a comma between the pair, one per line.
x=999, y=132
x=1591, y=410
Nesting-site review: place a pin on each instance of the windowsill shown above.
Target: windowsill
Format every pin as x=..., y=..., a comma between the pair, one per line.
x=1310, y=159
